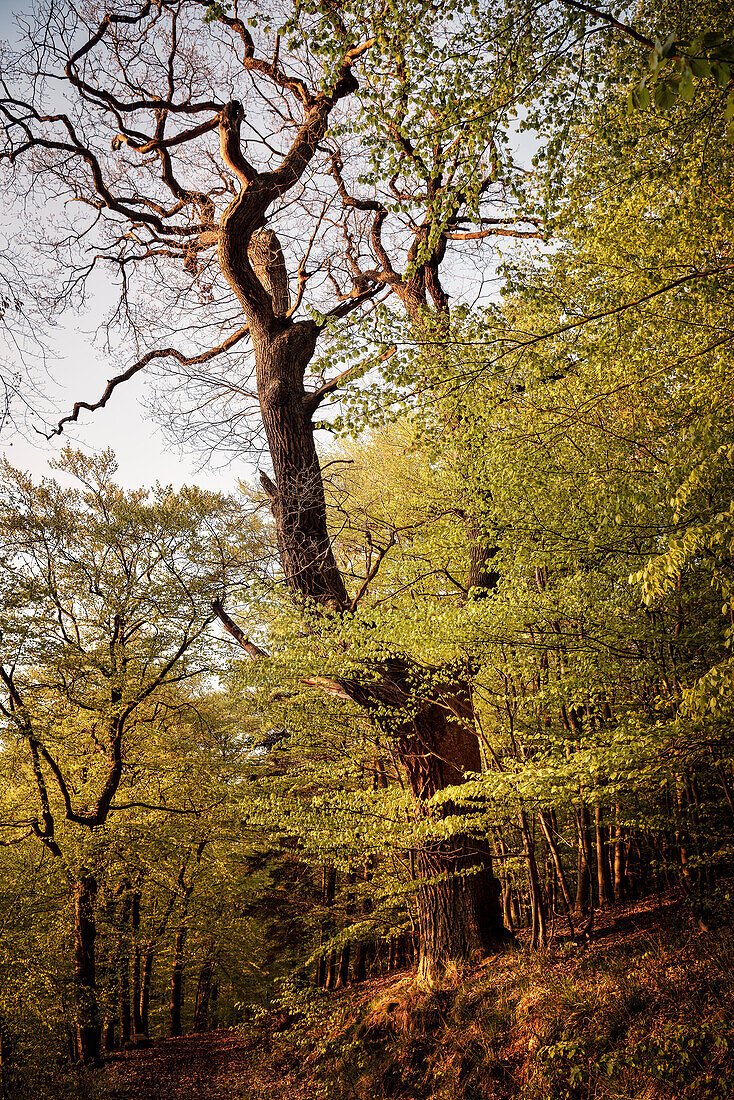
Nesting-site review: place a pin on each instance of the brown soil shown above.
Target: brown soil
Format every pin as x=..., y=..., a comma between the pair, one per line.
x=195, y=1067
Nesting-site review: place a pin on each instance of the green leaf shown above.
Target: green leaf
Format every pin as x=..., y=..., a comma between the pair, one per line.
x=721, y=73
x=700, y=67
x=686, y=88
x=665, y=96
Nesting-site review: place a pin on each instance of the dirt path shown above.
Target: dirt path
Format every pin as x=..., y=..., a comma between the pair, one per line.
x=214, y=1066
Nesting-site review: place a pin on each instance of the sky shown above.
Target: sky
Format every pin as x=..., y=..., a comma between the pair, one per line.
x=77, y=371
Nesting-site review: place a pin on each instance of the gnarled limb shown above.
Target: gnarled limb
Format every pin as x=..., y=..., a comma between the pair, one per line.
x=141, y=364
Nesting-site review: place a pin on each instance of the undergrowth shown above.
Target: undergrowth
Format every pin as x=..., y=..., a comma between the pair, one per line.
x=650, y=1018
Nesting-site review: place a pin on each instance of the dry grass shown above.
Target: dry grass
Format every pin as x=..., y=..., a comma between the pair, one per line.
x=644, y=1012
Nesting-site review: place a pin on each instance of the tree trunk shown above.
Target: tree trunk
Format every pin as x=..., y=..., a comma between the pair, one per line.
x=137, y=1021
x=539, y=936
x=359, y=962
x=214, y=1007
x=459, y=903
x=325, y=965
x=177, y=982
x=146, y=975
x=343, y=972
x=297, y=497
x=584, y=895
x=547, y=825
x=620, y=890
x=203, y=993
x=332, y=966
x=604, y=879
x=125, y=1014
x=88, y=1030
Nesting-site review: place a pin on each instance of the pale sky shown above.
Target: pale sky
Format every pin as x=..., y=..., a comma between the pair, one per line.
x=78, y=372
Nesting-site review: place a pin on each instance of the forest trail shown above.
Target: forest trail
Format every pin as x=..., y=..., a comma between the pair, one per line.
x=212, y=1066
x=235, y=1065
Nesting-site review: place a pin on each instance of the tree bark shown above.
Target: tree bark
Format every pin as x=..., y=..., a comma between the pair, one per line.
x=177, y=983
x=584, y=894
x=460, y=915
x=135, y=920
x=620, y=888
x=547, y=825
x=125, y=1013
x=203, y=993
x=297, y=497
x=459, y=899
x=342, y=978
x=603, y=875
x=538, y=935
x=88, y=1029
x=145, y=980
x=505, y=884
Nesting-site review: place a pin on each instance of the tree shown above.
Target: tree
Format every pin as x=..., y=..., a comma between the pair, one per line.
x=593, y=427
x=107, y=605
x=150, y=86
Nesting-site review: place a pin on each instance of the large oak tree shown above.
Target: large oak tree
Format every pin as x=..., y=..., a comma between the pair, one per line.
x=252, y=180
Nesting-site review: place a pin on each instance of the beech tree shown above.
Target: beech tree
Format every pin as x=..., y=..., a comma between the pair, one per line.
x=106, y=607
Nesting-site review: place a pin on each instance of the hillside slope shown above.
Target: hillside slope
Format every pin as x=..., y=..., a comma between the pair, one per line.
x=645, y=1010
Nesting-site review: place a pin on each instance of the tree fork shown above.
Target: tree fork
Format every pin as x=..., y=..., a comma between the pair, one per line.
x=459, y=899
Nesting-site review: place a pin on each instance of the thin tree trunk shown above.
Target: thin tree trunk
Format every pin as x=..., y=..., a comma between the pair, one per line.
x=325, y=965
x=604, y=881
x=332, y=969
x=214, y=1007
x=108, y=969
x=506, y=884
x=135, y=923
x=343, y=972
x=359, y=962
x=145, y=980
x=125, y=1013
x=585, y=893
x=546, y=824
x=203, y=993
x=539, y=932
x=620, y=890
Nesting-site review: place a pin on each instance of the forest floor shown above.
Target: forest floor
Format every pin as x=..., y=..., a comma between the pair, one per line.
x=644, y=1008
x=211, y=1066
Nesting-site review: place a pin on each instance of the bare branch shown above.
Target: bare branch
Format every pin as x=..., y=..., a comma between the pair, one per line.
x=372, y=572
x=163, y=353
x=313, y=400
x=610, y=20
x=237, y=633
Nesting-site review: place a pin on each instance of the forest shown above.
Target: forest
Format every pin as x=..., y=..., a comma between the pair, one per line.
x=405, y=769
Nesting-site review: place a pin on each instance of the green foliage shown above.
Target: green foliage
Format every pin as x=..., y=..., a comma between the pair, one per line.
x=652, y=1012
x=531, y=497
x=677, y=67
